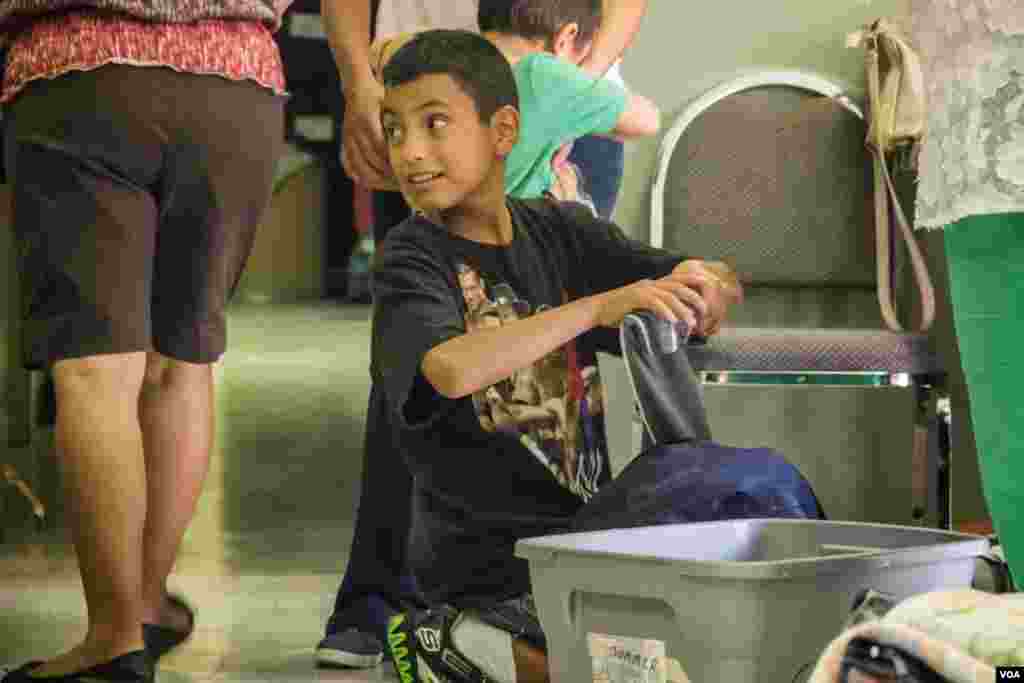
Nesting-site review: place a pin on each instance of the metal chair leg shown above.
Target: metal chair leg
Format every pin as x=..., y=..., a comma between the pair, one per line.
x=920, y=463
x=932, y=450
x=944, y=419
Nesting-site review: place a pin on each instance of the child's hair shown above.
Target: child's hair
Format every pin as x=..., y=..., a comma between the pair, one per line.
x=540, y=19
x=469, y=59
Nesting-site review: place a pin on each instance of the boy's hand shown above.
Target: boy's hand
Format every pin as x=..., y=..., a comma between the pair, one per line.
x=669, y=298
x=718, y=287
x=562, y=155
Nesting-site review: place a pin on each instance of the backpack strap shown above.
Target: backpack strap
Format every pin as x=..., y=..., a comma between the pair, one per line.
x=884, y=193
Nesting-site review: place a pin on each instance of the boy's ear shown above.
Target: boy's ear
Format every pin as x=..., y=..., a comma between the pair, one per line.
x=505, y=130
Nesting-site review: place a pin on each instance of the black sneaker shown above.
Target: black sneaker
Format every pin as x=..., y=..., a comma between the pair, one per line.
x=350, y=648
x=420, y=644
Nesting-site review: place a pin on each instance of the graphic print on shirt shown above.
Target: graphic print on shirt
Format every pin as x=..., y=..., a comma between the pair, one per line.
x=554, y=407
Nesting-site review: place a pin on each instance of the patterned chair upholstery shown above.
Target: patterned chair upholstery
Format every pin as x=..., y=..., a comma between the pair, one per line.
x=769, y=173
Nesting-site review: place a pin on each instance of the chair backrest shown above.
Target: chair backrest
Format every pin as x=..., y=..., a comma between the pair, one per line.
x=770, y=173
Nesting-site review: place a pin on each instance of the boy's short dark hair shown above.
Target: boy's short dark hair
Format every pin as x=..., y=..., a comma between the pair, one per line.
x=540, y=19
x=468, y=58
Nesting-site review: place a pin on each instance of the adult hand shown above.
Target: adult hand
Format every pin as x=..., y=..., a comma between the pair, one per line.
x=718, y=287
x=363, y=152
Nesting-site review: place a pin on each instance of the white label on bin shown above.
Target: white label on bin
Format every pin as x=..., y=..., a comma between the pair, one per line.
x=619, y=659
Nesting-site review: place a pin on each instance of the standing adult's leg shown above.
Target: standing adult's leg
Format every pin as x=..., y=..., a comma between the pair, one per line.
x=174, y=393
x=986, y=271
x=601, y=162
x=85, y=229
x=217, y=186
x=100, y=455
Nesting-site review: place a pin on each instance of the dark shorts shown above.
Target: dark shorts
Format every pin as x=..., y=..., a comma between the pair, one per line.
x=136, y=196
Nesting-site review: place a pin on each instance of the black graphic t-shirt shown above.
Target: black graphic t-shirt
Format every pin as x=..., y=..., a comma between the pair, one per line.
x=519, y=458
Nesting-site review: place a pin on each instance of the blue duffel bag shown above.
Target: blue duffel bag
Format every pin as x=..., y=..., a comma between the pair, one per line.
x=700, y=482
x=683, y=475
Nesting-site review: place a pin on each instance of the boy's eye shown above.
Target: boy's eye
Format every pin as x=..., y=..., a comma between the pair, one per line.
x=436, y=121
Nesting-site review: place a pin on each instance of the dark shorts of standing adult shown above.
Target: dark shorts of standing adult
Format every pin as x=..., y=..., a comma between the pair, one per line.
x=137, y=192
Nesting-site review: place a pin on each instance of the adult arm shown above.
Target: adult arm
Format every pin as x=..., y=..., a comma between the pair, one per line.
x=620, y=22
x=384, y=48
x=363, y=152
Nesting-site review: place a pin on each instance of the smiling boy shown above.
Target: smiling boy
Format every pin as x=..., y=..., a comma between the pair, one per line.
x=450, y=118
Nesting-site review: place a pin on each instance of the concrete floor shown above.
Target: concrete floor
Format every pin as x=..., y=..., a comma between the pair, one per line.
x=266, y=551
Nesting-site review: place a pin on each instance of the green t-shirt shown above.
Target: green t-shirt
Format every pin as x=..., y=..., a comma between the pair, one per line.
x=558, y=102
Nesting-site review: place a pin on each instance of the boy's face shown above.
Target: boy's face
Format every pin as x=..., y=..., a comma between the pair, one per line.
x=439, y=149
x=566, y=44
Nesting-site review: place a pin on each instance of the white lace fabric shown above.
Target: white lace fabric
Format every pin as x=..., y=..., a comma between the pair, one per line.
x=972, y=160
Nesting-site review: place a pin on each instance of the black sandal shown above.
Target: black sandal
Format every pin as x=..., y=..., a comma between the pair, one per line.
x=134, y=667
x=162, y=639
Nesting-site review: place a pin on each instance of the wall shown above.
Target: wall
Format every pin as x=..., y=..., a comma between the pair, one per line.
x=14, y=382
x=287, y=259
x=682, y=49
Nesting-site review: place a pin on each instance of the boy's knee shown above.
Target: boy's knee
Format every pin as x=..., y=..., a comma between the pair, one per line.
x=531, y=663
x=499, y=655
x=101, y=373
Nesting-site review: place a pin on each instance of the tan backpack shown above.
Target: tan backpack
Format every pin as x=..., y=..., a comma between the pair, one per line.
x=896, y=126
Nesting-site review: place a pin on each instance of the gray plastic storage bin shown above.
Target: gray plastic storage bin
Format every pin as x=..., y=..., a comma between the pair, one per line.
x=748, y=600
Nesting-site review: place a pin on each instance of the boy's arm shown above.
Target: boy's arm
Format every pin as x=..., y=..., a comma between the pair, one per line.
x=422, y=354
x=620, y=21
x=475, y=360
x=641, y=118
x=606, y=258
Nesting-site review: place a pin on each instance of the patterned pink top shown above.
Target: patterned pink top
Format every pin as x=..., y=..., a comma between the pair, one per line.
x=80, y=41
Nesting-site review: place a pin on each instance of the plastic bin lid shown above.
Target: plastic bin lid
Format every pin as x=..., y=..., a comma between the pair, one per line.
x=759, y=548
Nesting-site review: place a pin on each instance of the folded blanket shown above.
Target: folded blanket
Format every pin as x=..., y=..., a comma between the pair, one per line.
x=962, y=635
